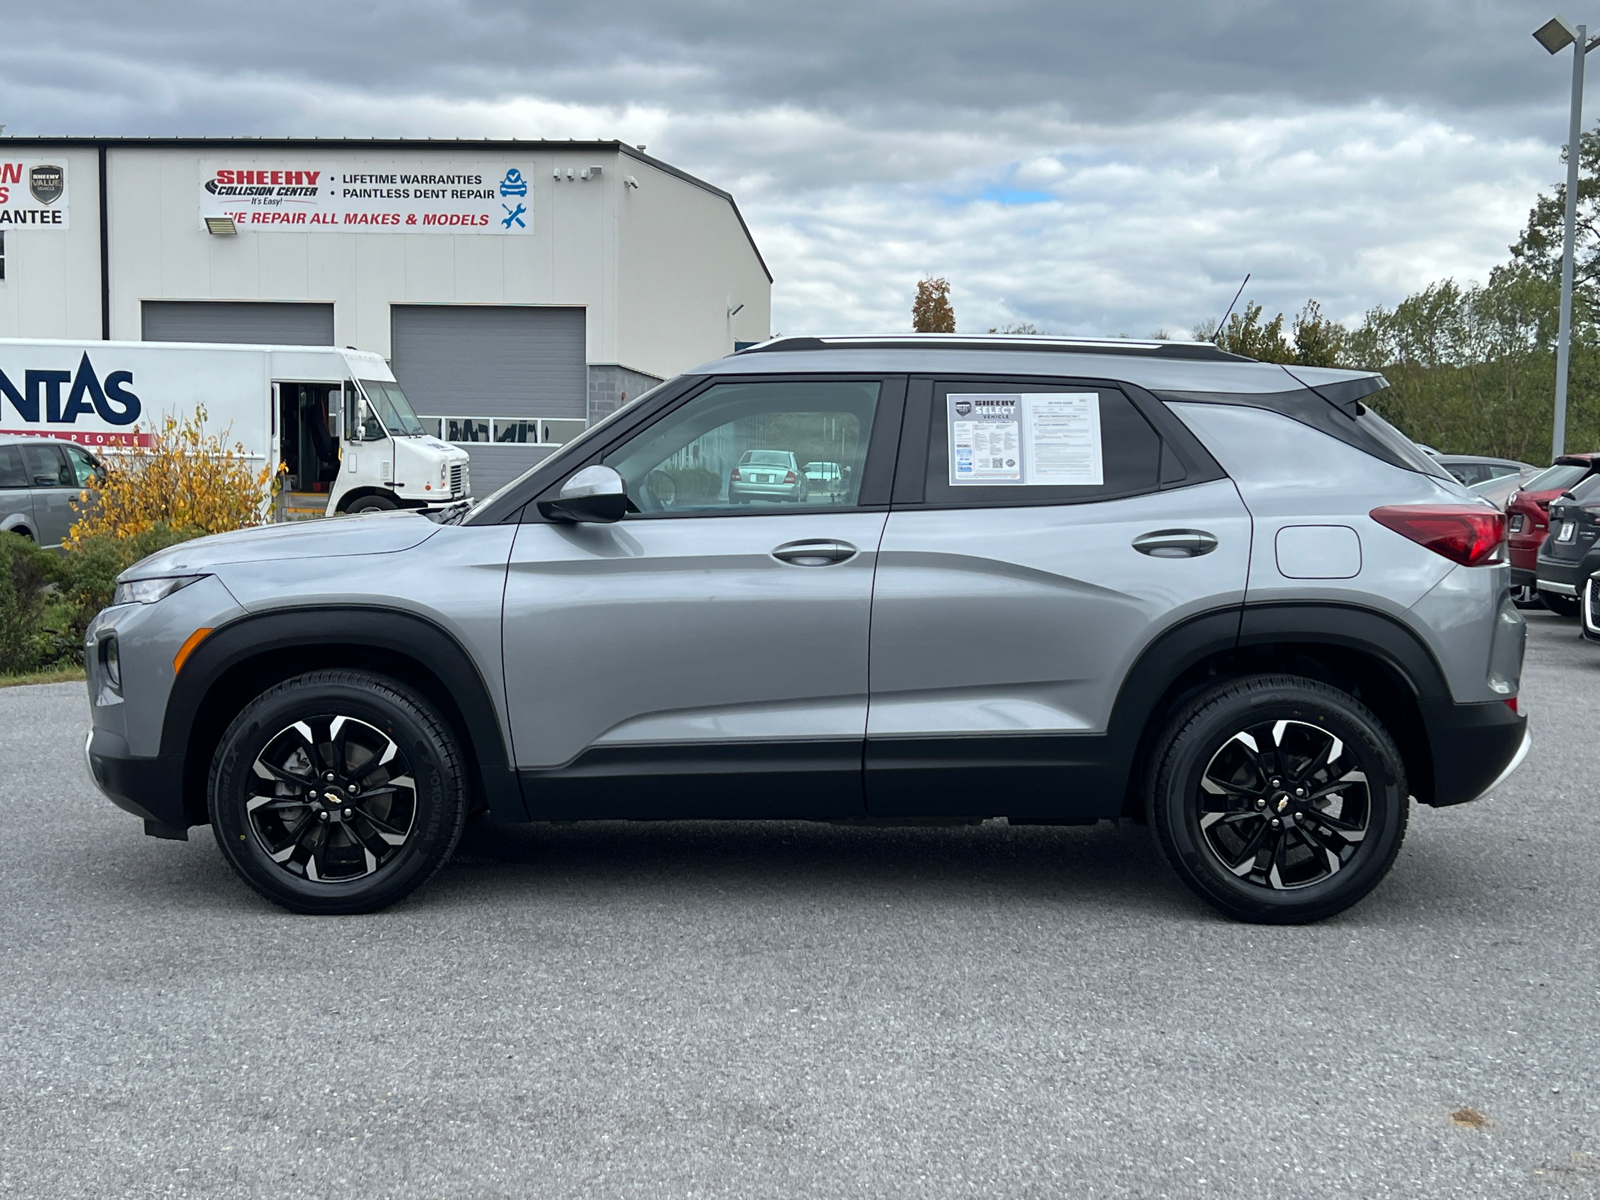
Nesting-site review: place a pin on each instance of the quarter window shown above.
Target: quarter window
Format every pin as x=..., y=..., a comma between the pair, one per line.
x=752, y=447
x=11, y=473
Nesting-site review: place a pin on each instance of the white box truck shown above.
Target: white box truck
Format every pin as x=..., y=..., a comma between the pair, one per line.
x=335, y=418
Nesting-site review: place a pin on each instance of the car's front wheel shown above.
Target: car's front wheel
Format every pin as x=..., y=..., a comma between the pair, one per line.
x=1278, y=799
x=337, y=792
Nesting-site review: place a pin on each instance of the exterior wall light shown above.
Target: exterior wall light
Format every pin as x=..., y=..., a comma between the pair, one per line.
x=221, y=225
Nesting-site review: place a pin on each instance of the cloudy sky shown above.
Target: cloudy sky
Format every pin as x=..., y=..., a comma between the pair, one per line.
x=1094, y=168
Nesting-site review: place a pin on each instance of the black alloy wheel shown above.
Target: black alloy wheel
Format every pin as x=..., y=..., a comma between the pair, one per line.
x=337, y=792
x=1278, y=799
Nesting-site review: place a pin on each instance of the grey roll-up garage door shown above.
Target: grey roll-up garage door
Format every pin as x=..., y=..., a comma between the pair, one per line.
x=491, y=361
x=243, y=321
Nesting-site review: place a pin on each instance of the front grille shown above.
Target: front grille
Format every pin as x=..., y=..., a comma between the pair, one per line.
x=1591, y=605
x=457, y=478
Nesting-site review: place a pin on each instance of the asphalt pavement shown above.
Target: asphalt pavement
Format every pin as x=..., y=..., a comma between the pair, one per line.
x=742, y=1010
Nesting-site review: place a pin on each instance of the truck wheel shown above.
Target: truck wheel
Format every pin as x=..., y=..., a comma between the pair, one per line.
x=372, y=504
x=1562, y=606
x=1278, y=799
x=337, y=792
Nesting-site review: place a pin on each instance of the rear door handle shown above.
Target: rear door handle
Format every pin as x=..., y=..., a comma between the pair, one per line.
x=1175, y=543
x=815, y=553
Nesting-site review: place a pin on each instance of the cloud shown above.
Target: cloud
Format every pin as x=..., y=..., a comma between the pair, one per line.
x=1094, y=168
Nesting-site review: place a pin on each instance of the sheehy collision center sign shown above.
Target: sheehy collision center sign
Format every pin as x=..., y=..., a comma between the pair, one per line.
x=366, y=197
x=33, y=194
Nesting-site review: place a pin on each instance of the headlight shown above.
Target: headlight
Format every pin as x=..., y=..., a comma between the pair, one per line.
x=111, y=662
x=148, y=591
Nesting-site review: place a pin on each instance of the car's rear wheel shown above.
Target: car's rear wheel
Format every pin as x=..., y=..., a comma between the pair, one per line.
x=1562, y=606
x=1278, y=799
x=337, y=792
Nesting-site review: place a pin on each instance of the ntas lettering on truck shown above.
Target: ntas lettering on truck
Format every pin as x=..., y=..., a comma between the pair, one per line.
x=336, y=420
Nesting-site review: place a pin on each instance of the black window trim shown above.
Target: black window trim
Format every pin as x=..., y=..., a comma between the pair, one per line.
x=877, y=473
x=1192, y=463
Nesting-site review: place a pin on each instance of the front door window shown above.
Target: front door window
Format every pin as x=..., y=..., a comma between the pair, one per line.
x=746, y=447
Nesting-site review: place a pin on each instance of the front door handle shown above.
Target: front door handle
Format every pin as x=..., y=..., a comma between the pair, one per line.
x=1175, y=543
x=815, y=553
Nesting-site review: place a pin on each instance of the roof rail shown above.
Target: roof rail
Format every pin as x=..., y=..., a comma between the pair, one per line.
x=1198, y=351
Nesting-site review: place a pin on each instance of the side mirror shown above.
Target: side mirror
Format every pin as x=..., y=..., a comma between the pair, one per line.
x=594, y=494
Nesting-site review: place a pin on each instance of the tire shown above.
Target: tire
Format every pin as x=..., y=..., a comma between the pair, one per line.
x=372, y=504
x=379, y=839
x=1205, y=768
x=1562, y=606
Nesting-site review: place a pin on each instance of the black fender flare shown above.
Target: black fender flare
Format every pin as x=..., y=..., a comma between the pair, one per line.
x=1137, y=715
x=277, y=645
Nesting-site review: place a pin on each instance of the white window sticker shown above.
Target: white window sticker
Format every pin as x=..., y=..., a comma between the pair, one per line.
x=1061, y=439
x=985, y=443
x=1038, y=439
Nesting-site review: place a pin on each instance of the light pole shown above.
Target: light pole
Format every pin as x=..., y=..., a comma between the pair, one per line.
x=1556, y=35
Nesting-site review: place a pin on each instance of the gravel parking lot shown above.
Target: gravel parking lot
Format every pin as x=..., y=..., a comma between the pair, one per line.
x=745, y=1010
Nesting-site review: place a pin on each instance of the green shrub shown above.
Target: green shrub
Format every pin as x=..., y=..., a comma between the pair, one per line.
x=88, y=572
x=26, y=573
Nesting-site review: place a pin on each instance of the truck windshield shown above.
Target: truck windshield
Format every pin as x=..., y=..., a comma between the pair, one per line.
x=394, y=410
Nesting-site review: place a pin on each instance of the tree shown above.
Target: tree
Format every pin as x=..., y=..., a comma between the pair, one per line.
x=931, y=311
x=1318, y=340
x=1246, y=334
x=1539, y=247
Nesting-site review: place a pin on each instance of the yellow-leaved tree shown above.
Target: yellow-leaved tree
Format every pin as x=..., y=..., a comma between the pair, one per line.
x=186, y=479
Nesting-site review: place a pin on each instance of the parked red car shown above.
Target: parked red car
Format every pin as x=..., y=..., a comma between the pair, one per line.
x=1528, y=520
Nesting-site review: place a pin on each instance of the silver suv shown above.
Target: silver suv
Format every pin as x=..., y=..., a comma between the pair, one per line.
x=1065, y=582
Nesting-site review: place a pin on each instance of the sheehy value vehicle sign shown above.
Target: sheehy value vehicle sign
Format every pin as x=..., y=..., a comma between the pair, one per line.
x=33, y=194
x=1037, y=439
x=292, y=196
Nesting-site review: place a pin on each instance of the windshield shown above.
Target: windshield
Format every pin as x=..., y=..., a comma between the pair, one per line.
x=394, y=410
x=1560, y=476
x=1587, y=490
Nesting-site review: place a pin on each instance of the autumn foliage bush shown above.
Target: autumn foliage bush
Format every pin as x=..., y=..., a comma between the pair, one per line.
x=186, y=479
x=185, y=484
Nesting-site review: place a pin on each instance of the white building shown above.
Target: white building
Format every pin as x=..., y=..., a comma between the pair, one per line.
x=517, y=287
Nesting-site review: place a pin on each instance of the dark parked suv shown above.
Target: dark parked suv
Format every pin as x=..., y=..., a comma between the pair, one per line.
x=1059, y=582
x=1528, y=517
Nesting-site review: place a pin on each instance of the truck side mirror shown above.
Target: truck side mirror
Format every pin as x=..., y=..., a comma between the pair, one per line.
x=595, y=494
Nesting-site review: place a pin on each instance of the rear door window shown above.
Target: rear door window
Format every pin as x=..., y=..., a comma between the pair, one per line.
x=47, y=466
x=1001, y=443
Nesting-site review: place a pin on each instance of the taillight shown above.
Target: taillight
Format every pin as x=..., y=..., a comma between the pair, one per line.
x=1517, y=520
x=1462, y=533
x=789, y=477
x=735, y=476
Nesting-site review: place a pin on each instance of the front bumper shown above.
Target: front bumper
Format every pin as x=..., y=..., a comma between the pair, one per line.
x=1475, y=746
x=156, y=782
